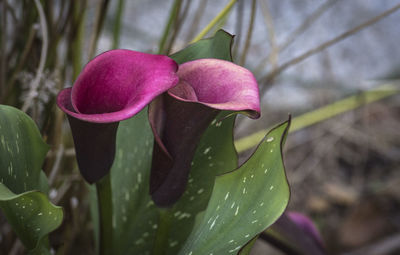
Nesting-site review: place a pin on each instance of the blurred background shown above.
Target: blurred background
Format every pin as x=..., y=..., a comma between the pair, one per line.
x=334, y=65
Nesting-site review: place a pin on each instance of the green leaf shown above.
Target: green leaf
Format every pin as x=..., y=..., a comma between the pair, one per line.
x=218, y=46
x=30, y=214
x=135, y=216
x=244, y=202
x=22, y=151
x=215, y=155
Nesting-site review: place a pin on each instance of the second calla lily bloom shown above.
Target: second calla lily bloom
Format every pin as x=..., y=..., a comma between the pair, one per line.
x=180, y=117
x=112, y=87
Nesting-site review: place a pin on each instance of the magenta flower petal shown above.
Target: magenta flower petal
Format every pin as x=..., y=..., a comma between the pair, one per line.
x=118, y=84
x=218, y=84
x=112, y=87
x=180, y=117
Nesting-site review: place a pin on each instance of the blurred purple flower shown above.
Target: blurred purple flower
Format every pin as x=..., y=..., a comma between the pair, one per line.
x=180, y=117
x=306, y=225
x=112, y=87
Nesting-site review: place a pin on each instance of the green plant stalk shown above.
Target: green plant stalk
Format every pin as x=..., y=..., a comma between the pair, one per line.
x=249, y=34
x=324, y=113
x=164, y=224
x=221, y=23
x=104, y=200
x=3, y=53
x=99, y=21
x=77, y=43
x=117, y=24
x=172, y=17
x=213, y=22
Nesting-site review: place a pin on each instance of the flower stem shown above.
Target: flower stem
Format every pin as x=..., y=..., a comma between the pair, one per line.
x=164, y=223
x=174, y=13
x=103, y=188
x=212, y=23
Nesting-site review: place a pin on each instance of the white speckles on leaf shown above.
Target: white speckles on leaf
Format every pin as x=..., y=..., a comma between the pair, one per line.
x=3, y=141
x=237, y=210
x=172, y=244
x=207, y=150
x=200, y=191
x=270, y=139
x=139, y=241
x=149, y=204
x=227, y=195
x=17, y=146
x=233, y=250
x=184, y=215
x=213, y=223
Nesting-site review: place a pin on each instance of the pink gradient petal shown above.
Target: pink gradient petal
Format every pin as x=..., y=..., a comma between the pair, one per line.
x=218, y=84
x=117, y=84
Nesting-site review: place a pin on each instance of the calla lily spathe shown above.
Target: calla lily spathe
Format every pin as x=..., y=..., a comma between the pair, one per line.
x=112, y=87
x=180, y=117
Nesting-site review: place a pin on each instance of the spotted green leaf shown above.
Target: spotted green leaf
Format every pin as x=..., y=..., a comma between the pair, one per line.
x=215, y=155
x=31, y=215
x=244, y=202
x=22, y=152
x=135, y=216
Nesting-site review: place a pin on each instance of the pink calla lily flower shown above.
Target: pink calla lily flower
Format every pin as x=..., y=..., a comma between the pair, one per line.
x=179, y=118
x=112, y=87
